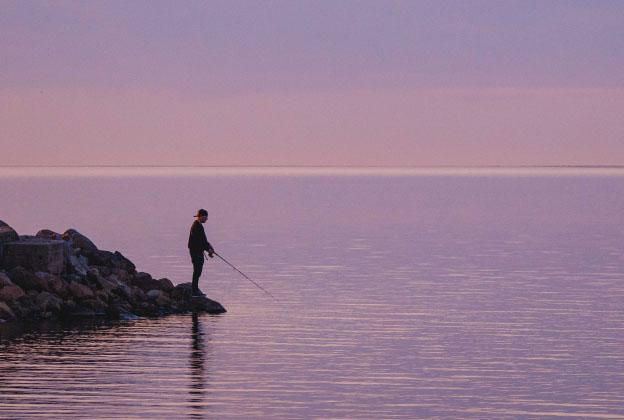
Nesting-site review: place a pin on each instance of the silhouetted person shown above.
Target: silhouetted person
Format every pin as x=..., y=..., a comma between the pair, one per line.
x=197, y=244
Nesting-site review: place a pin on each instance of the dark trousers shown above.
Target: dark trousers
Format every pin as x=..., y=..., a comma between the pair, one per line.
x=198, y=264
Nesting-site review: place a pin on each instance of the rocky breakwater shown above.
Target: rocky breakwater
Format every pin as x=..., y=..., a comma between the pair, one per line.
x=51, y=275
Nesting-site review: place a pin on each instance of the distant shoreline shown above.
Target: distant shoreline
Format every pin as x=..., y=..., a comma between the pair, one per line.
x=323, y=166
x=9, y=172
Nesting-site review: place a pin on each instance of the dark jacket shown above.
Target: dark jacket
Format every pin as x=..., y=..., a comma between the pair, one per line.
x=197, y=242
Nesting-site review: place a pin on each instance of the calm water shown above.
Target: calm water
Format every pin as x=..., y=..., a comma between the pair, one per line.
x=424, y=293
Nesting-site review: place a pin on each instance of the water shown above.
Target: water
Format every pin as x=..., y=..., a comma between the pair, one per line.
x=440, y=293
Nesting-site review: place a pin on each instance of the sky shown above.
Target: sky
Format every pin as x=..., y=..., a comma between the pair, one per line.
x=331, y=83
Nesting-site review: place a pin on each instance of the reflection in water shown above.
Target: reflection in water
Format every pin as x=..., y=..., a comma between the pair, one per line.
x=197, y=355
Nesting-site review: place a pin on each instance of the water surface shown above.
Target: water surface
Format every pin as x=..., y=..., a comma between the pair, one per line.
x=447, y=293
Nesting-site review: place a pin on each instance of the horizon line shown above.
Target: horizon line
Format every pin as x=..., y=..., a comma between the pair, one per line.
x=320, y=166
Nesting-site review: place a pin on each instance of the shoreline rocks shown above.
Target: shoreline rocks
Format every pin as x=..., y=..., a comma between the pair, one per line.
x=64, y=276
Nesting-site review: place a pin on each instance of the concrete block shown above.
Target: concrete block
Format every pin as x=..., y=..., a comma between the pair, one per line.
x=35, y=254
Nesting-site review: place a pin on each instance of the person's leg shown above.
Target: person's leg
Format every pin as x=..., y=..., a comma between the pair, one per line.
x=198, y=264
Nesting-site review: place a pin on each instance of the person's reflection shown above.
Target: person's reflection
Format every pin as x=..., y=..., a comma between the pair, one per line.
x=197, y=386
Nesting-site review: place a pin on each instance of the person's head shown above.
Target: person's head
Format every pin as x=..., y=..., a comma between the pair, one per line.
x=202, y=215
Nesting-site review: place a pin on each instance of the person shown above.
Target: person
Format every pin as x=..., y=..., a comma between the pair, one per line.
x=197, y=244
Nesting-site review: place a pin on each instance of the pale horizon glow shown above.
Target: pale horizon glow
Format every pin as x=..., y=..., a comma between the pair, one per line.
x=355, y=83
x=297, y=171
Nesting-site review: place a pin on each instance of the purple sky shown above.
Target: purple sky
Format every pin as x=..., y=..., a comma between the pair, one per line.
x=312, y=82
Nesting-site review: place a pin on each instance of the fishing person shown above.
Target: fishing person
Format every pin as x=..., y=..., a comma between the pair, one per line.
x=197, y=244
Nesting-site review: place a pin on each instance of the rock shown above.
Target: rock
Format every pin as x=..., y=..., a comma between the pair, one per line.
x=35, y=254
x=49, y=234
x=164, y=301
x=7, y=234
x=50, y=282
x=104, y=270
x=5, y=311
x=183, y=291
x=203, y=304
x=23, y=307
x=58, y=286
x=80, y=291
x=120, y=311
x=68, y=308
x=121, y=274
x=113, y=278
x=103, y=295
x=145, y=282
x=85, y=311
x=92, y=274
x=78, y=240
x=137, y=294
x=107, y=284
x=23, y=278
x=146, y=309
x=47, y=302
x=97, y=257
x=124, y=263
x=160, y=297
x=165, y=284
x=52, y=278
x=113, y=260
x=42, y=280
x=4, y=280
x=123, y=290
x=96, y=304
x=183, y=294
x=153, y=294
x=11, y=292
x=77, y=264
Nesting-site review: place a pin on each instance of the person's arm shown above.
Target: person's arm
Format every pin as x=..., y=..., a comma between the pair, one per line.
x=207, y=246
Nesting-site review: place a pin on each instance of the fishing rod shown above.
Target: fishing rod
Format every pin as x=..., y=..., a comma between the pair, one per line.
x=243, y=274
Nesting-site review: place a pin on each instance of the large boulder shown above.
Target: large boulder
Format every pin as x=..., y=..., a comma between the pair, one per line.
x=145, y=282
x=5, y=311
x=36, y=254
x=41, y=278
x=49, y=234
x=121, y=274
x=24, y=307
x=7, y=234
x=107, y=284
x=183, y=294
x=52, y=283
x=80, y=291
x=137, y=294
x=165, y=284
x=120, y=310
x=48, y=302
x=161, y=298
x=24, y=278
x=154, y=294
x=123, y=291
x=4, y=280
x=78, y=240
x=11, y=292
x=112, y=260
x=203, y=304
